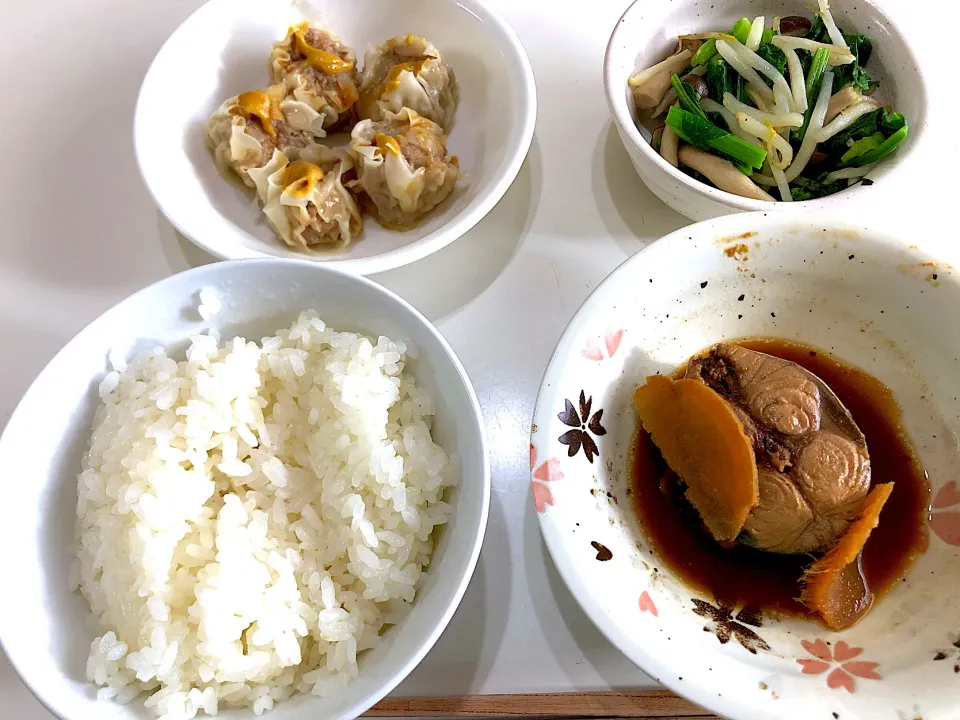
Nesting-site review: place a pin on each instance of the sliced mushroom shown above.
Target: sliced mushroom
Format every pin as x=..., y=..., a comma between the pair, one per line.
x=669, y=143
x=688, y=42
x=721, y=173
x=674, y=63
x=698, y=84
x=795, y=26
x=669, y=98
x=652, y=91
x=650, y=85
x=840, y=101
x=657, y=138
x=702, y=36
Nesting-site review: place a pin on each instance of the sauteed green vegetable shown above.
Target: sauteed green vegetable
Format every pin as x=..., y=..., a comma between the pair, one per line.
x=782, y=113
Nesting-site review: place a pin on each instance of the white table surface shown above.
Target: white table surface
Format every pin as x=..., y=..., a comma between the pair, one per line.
x=78, y=232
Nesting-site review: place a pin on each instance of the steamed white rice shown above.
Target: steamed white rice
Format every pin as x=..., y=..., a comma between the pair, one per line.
x=251, y=518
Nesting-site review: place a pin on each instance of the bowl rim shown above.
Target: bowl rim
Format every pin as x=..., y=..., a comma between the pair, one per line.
x=466, y=570
x=722, y=226
x=620, y=110
x=453, y=229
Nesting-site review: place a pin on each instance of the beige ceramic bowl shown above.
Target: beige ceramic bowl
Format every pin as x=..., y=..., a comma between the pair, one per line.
x=874, y=302
x=647, y=33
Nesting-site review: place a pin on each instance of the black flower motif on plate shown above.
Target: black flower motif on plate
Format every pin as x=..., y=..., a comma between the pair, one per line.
x=584, y=424
x=727, y=626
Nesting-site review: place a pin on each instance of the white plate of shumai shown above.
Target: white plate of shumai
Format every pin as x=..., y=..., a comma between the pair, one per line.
x=362, y=134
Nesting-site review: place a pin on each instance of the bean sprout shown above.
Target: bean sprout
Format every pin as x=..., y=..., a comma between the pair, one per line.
x=839, y=55
x=748, y=73
x=798, y=82
x=850, y=173
x=756, y=33
x=832, y=30
x=777, y=121
x=847, y=118
x=809, y=143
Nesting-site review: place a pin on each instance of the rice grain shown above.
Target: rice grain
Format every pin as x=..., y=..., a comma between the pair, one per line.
x=252, y=517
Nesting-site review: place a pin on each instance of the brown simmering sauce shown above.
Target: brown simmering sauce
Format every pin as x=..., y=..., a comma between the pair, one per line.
x=770, y=581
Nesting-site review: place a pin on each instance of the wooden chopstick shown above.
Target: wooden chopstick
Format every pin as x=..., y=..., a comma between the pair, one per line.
x=567, y=706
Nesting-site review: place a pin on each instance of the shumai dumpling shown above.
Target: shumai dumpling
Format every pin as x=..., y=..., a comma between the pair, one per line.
x=403, y=166
x=306, y=202
x=246, y=131
x=408, y=72
x=320, y=73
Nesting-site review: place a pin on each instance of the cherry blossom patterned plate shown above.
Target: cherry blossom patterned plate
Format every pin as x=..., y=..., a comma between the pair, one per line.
x=874, y=301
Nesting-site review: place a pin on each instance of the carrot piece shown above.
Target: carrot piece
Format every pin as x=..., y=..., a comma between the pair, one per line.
x=834, y=585
x=703, y=442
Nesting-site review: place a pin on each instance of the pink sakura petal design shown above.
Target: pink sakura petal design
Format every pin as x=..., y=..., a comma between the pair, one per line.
x=949, y=495
x=818, y=649
x=612, y=341
x=839, y=679
x=647, y=604
x=947, y=527
x=541, y=497
x=550, y=470
x=843, y=652
x=813, y=667
x=862, y=669
x=592, y=351
x=533, y=456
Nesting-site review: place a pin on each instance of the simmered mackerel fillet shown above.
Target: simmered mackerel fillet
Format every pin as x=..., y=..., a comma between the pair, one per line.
x=812, y=460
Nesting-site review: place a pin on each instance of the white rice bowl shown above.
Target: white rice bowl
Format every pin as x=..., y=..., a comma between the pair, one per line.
x=252, y=517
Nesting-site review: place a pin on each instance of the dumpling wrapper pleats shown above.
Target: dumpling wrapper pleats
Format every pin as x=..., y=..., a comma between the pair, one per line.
x=704, y=443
